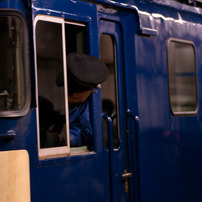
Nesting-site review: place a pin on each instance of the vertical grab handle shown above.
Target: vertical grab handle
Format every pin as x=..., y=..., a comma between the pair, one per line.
x=133, y=149
x=109, y=130
x=110, y=143
x=135, y=118
x=136, y=121
x=136, y=125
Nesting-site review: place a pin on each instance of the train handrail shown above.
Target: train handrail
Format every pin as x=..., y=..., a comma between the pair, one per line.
x=8, y=134
x=136, y=126
x=109, y=130
x=110, y=148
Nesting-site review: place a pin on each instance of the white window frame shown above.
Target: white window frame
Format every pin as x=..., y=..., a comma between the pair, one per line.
x=63, y=150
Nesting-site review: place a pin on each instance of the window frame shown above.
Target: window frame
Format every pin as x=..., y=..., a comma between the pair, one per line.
x=60, y=151
x=25, y=51
x=182, y=113
x=63, y=150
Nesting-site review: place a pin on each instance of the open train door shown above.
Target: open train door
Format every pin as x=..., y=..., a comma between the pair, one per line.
x=112, y=46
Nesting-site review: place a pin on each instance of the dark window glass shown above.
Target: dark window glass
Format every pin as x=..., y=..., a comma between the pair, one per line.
x=51, y=99
x=12, y=75
x=109, y=87
x=182, y=77
x=75, y=38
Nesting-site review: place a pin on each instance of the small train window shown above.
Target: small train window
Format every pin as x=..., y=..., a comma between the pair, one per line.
x=182, y=77
x=13, y=92
x=109, y=87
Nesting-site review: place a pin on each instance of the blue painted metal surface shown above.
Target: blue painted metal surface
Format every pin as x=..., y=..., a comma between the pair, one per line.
x=166, y=154
x=118, y=161
x=88, y=175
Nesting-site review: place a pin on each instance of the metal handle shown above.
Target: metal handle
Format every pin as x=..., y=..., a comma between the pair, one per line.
x=111, y=153
x=8, y=134
x=109, y=130
x=127, y=175
x=136, y=118
x=134, y=147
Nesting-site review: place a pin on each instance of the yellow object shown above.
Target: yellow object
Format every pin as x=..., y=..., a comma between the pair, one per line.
x=14, y=176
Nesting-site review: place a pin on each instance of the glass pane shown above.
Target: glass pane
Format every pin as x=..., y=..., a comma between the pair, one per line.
x=81, y=138
x=51, y=97
x=109, y=101
x=182, y=77
x=12, y=83
x=75, y=37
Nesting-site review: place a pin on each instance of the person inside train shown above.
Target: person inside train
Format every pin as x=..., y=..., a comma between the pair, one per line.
x=84, y=73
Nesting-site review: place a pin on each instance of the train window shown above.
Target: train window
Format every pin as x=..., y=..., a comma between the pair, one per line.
x=182, y=77
x=53, y=110
x=13, y=92
x=55, y=39
x=109, y=87
x=75, y=37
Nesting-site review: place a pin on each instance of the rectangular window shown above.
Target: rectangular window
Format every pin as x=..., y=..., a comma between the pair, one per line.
x=55, y=39
x=12, y=66
x=182, y=77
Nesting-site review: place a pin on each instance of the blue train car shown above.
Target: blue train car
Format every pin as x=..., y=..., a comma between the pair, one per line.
x=146, y=117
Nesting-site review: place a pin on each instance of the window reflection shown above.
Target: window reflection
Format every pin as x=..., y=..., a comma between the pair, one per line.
x=182, y=77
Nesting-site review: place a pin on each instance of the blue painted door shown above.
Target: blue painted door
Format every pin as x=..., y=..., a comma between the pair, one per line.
x=113, y=106
x=83, y=175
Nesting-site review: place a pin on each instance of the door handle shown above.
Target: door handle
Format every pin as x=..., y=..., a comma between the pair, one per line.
x=8, y=134
x=126, y=176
